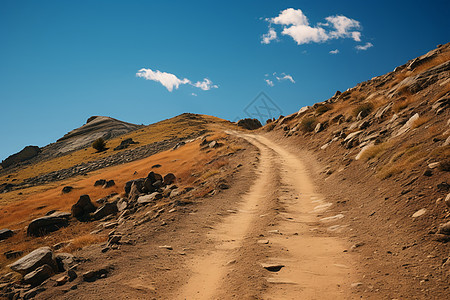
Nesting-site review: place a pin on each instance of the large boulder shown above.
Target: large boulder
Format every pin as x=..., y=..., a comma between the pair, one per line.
x=39, y=257
x=39, y=275
x=5, y=233
x=250, y=124
x=105, y=210
x=125, y=143
x=44, y=225
x=154, y=177
x=83, y=208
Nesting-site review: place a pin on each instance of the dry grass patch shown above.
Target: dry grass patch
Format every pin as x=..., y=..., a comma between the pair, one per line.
x=420, y=121
x=82, y=241
x=375, y=151
x=402, y=103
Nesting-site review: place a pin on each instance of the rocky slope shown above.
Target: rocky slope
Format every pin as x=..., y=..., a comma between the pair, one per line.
x=385, y=159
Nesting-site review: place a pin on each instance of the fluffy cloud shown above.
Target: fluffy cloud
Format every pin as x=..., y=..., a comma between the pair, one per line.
x=296, y=25
x=269, y=36
x=364, y=47
x=205, y=85
x=171, y=81
x=334, y=51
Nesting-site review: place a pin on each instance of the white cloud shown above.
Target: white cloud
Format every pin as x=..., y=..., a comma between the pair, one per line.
x=168, y=80
x=296, y=25
x=364, y=47
x=205, y=85
x=269, y=82
x=334, y=51
x=269, y=36
x=171, y=81
x=342, y=26
x=286, y=77
x=194, y=94
x=271, y=78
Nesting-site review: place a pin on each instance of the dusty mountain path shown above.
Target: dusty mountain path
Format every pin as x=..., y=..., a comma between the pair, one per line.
x=274, y=225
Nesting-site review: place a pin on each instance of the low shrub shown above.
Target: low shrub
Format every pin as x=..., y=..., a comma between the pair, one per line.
x=99, y=144
x=308, y=124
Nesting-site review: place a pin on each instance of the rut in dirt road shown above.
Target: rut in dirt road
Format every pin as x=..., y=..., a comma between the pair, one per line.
x=310, y=265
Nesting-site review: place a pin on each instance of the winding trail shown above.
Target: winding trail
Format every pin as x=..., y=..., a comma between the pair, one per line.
x=314, y=265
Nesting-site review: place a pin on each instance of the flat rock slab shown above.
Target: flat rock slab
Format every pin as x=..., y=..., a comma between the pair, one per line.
x=419, y=213
x=263, y=242
x=39, y=257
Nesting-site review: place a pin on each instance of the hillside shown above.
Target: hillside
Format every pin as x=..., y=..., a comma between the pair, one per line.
x=346, y=199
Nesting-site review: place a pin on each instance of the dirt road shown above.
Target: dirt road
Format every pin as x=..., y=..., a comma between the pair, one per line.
x=277, y=227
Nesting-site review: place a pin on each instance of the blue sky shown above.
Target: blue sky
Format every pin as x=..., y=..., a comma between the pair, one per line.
x=63, y=61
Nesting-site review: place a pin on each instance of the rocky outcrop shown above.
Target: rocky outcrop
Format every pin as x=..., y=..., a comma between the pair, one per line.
x=250, y=124
x=25, y=154
x=96, y=127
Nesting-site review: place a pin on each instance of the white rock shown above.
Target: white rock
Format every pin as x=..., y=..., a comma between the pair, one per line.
x=419, y=213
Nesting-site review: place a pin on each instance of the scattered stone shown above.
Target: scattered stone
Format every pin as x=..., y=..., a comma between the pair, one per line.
x=105, y=210
x=39, y=257
x=39, y=275
x=72, y=275
x=114, y=239
x=444, y=228
x=83, y=208
x=100, y=182
x=5, y=234
x=419, y=213
x=90, y=276
x=67, y=189
x=64, y=261
x=447, y=200
x=109, y=184
x=434, y=165
x=357, y=245
x=169, y=179
x=443, y=186
x=272, y=267
x=428, y=173
x=356, y=284
x=144, y=200
x=156, y=166
x=166, y=247
x=178, y=145
x=12, y=254
x=213, y=144
x=61, y=280
x=44, y=225
x=223, y=186
x=263, y=242
x=319, y=128
x=122, y=204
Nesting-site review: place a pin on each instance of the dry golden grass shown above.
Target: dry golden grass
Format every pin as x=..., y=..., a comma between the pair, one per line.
x=402, y=104
x=436, y=61
x=79, y=242
x=175, y=127
x=375, y=151
x=18, y=210
x=420, y=121
x=405, y=158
